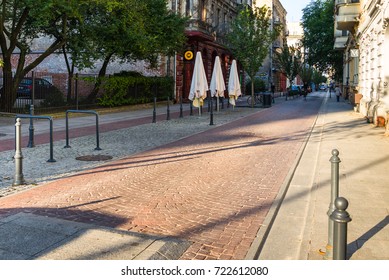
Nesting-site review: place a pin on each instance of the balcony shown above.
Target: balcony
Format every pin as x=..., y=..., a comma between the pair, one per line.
x=340, y=43
x=341, y=37
x=347, y=13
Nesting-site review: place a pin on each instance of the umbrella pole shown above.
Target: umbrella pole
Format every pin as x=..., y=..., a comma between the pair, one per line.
x=199, y=106
x=211, y=115
x=217, y=102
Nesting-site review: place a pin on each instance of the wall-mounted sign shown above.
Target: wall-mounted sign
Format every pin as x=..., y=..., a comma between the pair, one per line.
x=354, y=53
x=188, y=55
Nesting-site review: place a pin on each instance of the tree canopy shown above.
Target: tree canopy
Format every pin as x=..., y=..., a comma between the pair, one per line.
x=85, y=30
x=22, y=21
x=318, y=40
x=289, y=61
x=131, y=30
x=249, y=39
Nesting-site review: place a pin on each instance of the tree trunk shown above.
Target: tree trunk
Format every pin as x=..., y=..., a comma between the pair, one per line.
x=92, y=96
x=8, y=91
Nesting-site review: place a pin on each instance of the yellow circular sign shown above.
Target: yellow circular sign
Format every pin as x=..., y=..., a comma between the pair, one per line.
x=188, y=55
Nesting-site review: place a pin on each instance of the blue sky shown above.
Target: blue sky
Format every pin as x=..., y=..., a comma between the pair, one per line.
x=294, y=7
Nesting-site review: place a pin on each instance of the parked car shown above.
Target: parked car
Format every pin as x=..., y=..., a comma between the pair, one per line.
x=323, y=87
x=42, y=88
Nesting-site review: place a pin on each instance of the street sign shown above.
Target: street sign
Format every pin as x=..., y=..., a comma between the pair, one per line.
x=188, y=55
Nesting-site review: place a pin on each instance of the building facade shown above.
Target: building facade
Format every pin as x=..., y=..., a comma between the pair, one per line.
x=295, y=35
x=209, y=21
x=268, y=71
x=361, y=32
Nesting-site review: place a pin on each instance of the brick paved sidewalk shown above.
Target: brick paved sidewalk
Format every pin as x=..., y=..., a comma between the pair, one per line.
x=213, y=188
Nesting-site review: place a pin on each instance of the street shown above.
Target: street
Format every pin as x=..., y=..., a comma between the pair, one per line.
x=213, y=188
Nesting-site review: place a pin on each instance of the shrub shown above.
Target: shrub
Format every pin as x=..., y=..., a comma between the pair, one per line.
x=259, y=85
x=54, y=99
x=129, y=88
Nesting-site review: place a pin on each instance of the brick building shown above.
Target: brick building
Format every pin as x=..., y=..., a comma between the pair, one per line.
x=209, y=22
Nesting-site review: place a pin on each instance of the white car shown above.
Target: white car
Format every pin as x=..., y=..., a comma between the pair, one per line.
x=323, y=87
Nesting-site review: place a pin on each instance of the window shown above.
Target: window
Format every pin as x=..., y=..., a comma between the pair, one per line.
x=203, y=10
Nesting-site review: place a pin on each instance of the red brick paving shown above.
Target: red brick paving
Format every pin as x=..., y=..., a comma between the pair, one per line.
x=213, y=188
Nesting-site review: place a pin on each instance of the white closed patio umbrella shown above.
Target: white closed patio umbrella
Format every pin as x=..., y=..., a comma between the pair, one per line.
x=217, y=86
x=233, y=84
x=199, y=85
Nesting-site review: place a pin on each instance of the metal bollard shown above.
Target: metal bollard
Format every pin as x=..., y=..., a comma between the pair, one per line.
x=335, y=160
x=19, y=179
x=211, y=114
x=181, y=109
x=168, y=109
x=154, y=111
x=31, y=129
x=340, y=217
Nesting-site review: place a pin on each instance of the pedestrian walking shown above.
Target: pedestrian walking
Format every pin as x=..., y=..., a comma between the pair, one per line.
x=273, y=89
x=305, y=91
x=338, y=92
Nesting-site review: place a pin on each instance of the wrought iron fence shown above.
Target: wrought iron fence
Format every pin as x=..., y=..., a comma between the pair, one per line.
x=57, y=92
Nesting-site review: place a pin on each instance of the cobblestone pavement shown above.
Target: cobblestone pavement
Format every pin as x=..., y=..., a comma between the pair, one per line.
x=212, y=186
x=118, y=139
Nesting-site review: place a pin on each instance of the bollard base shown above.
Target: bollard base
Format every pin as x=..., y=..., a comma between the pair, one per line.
x=19, y=180
x=328, y=253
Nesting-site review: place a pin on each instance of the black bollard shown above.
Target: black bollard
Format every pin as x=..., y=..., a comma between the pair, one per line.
x=168, y=109
x=154, y=111
x=181, y=109
x=31, y=129
x=340, y=217
x=211, y=114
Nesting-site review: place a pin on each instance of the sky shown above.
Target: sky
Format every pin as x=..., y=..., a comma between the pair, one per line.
x=294, y=7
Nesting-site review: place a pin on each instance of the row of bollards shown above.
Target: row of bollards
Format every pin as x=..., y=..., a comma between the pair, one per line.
x=336, y=248
x=19, y=178
x=210, y=109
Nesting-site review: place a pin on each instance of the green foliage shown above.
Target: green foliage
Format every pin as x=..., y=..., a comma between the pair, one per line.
x=250, y=37
x=318, y=25
x=21, y=21
x=306, y=73
x=128, y=90
x=318, y=78
x=259, y=85
x=131, y=29
x=54, y=99
x=289, y=61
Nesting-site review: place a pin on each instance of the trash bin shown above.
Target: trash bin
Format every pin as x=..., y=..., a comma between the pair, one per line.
x=266, y=100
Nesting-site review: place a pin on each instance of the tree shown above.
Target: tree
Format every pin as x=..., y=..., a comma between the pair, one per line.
x=318, y=78
x=249, y=39
x=289, y=61
x=135, y=30
x=79, y=51
x=23, y=21
x=318, y=40
x=306, y=73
